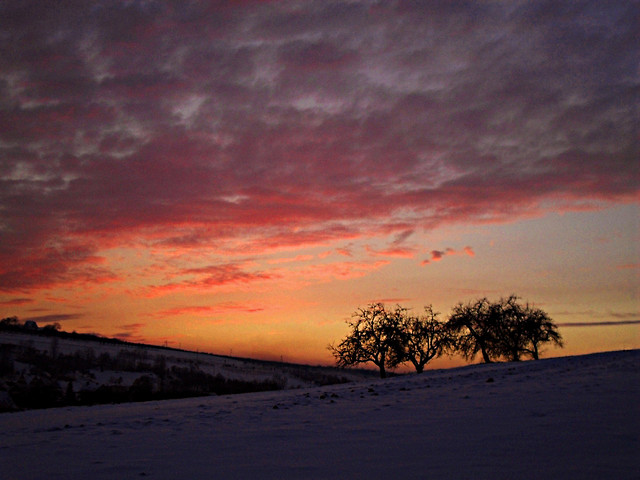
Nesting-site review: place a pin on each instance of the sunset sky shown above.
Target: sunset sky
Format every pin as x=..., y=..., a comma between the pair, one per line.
x=239, y=177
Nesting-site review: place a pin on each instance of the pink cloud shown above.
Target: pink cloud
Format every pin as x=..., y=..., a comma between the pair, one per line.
x=397, y=252
x=291, y=134
x=437, y=255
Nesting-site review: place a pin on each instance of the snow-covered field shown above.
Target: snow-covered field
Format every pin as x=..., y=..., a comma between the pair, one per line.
x=561, y=418
x=285, y=375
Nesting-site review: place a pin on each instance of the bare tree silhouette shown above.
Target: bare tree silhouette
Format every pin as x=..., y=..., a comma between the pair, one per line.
x=472, y=325
x=374, y=337
x=424, y=338
x=505, y=328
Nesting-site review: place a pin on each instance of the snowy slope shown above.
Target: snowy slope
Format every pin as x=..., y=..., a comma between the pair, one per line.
x=92, y=374
x=561, y=418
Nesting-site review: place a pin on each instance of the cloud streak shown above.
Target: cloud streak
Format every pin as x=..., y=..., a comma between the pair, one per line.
x=17, y=301
x=207, y=311
x=60, y=317
x=600, y=324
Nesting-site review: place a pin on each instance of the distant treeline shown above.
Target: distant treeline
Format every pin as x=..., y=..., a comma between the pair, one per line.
x=12, y=324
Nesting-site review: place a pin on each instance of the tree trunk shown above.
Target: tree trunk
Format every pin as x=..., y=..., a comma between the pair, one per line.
x=419, y=368
x=480, y=342
x=485, y=356
x=534, y=352
x=381, y=361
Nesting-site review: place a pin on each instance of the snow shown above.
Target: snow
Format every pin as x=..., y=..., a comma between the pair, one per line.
x=560, y=418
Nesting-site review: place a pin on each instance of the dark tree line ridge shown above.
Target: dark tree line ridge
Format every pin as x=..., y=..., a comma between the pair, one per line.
x=504, y=329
